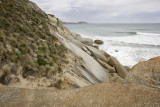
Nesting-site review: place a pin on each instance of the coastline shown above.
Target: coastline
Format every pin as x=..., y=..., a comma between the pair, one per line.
x=133, y=42
x=43, y=63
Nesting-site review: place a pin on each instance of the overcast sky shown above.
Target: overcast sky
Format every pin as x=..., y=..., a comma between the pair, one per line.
x=103, y=11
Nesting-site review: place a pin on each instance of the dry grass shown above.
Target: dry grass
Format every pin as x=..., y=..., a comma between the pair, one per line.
x=25, y=39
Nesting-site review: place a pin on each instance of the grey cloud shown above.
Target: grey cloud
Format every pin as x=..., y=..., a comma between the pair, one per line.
x=103, y=11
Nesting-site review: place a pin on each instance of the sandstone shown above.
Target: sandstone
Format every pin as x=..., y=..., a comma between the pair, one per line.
x=53, y=20
x=84, y=48
x=99, y=54
x=146, y=73
x=86, y=41
x=91, y=65
x=121, y=70
x=107, y=66
x=60, y=23
x=77, y=43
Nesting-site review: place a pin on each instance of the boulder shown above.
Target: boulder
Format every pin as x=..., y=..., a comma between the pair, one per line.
x=99, y=42
x=86, y=41
x=121, y=70
x=67, y=31
x=60, y=23
x=146, y=73
x=107, y=66
x=75, y=35
x=77, y=43
x=96, y=53
x=53, y=20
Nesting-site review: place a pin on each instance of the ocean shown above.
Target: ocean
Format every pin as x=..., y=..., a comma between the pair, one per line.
x=129, y=43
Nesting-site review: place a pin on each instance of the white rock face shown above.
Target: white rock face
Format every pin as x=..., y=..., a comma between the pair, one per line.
x=92, y=67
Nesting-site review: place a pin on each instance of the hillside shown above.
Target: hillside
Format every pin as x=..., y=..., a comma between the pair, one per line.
x=27, y=46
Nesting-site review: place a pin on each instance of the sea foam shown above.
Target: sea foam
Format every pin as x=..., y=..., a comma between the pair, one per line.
x=130, y=50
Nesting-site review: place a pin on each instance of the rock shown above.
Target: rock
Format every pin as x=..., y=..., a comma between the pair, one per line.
x=86, y=50
x=99, y=95
x=61, y=32
x=75, y=35
x=116, y=78
x=67, y=31
x=91, y=66
x=77, y=43
x=116, y=50
x=107, y=66
x=99, y=42
x=127, y=68
x=53, y=20
x=121, y=70
x=146, y=73
x=99, y=54
x=86, y=41
x=96, y=46
x=80, y=82
x=89, y=52
x=60, y=23
x=78, y=35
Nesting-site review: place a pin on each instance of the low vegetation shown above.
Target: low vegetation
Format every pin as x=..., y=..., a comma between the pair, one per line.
x=25, y=41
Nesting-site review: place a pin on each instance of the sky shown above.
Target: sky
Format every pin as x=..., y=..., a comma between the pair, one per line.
x=103, y=11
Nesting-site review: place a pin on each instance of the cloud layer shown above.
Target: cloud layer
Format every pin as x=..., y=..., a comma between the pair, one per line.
x=103, y=11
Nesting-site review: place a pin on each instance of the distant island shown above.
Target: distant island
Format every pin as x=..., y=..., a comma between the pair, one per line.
x=81, y=22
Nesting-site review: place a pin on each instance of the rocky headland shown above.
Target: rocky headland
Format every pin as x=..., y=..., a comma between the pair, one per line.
x=43, y=63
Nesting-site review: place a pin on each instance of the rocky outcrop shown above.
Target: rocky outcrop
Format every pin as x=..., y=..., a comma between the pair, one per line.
x=56, y=21
x=99, y=42
x=146, y=73
x=83, y=48
x=60, y=23
x=91, y=66
x=53, y=20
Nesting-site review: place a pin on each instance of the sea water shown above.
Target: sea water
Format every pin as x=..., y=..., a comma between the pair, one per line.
x=129, y=43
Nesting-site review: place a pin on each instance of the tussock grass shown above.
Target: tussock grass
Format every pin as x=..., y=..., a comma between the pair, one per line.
x=25, y=40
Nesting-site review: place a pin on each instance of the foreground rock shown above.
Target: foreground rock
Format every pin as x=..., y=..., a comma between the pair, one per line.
x=146, y=73
x=101, y=95
x=99, y=42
